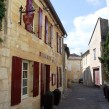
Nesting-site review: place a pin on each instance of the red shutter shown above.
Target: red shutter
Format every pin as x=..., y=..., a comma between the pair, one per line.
x=46, y=30
x=57, y=42
x=28, y=27
x=61, y=45
x=36, y=79
x=47, y=77
x=42, y=82
x=16, y=81
x=51, y=36
x=60, y=77
x=57, y=78
x=40, y=24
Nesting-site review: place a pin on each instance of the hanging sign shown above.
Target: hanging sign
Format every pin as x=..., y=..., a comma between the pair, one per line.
x=28, y=18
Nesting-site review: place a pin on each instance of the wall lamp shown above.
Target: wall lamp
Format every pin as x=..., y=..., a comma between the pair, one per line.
x=21, y=10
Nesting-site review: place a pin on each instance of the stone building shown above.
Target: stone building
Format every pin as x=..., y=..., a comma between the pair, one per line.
x=87, y=77
x=66, y=54
x=74, y=68
x=31, y=61
x=95, y=49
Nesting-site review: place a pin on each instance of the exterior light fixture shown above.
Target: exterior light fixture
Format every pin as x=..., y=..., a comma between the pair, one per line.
x=21, y=10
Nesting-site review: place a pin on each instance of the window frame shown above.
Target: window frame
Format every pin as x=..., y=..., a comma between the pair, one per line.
x=26, y=95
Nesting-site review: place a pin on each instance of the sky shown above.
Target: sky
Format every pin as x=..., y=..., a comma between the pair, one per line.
x=79, y=18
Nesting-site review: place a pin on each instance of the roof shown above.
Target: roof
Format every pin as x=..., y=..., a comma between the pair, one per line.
x=54, y=14
x=74, y=57
x=87, y=52
x=104, y=29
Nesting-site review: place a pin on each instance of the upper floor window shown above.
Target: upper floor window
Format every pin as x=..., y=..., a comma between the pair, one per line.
x=94, y=54
x=48, y=32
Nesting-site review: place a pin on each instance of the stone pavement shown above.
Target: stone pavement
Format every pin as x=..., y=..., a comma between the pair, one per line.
x=83, y=97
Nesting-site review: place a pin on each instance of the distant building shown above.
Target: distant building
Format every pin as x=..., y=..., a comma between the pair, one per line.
x=95, y=50
x=66, y=54
x=74, y=67
x=87, y=78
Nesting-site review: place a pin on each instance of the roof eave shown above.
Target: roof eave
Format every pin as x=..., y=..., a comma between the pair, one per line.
x=52, y=10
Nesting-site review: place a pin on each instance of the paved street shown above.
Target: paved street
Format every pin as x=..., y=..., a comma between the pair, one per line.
x=83, y=97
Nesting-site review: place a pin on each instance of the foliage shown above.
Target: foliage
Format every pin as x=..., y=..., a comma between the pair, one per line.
x=104, y=59
x=1, y=40
x=2, y=11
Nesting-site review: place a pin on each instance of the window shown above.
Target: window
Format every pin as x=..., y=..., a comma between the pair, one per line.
x=35, y=21
x=94, y=54
x=25, y=71
x=20, y=83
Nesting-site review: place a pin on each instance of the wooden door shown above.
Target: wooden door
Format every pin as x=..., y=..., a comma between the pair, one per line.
x=96, y=77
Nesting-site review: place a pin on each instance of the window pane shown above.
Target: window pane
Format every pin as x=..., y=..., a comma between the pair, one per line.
x=24, y=74
x=24, y=90
x=25, y=66
x=24, y=82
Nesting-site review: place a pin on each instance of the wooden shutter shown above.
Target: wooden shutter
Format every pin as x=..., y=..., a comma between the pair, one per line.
x=61, y=45
x=51, y=36
x=42, y=82
x=57, y=42
x=47, y=78
x=46, y=30
x=60, y=76
x=57, y=78
x=16, y=80
x=28, y=27
x=36, y=79
x=40, y=23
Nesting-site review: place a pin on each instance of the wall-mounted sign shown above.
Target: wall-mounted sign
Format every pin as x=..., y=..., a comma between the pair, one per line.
x=28, y=18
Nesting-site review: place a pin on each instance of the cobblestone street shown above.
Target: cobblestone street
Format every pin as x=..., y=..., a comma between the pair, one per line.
x=83, y=97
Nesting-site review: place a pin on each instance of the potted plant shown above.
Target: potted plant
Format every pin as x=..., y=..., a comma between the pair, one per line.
x=48, y=100
x=57, y=96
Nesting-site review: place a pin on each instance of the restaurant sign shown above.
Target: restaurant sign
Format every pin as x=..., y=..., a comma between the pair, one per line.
x=28, y=18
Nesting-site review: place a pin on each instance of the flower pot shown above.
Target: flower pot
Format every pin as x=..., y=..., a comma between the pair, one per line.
x=57, y=96
x=105, y=90
x=48, y=100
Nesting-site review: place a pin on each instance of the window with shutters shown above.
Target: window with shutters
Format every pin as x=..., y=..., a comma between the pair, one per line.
x=25, y=72
x=51, y=35
x=48, y=32
x=35, y=21
x=59, y=77
x=57, y=36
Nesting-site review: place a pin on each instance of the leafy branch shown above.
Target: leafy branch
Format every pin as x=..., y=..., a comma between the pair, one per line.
x=104, y=59
x=2, y=12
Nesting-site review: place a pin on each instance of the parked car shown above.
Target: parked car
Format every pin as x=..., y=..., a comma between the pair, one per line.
x=80, y=80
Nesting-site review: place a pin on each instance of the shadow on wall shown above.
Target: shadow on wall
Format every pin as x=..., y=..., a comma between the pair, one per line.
x=87, y=77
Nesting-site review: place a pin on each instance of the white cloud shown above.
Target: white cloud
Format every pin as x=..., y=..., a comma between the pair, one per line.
x=94, y=2
x=79, y=37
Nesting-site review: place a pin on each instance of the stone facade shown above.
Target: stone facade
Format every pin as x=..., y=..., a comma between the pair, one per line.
x=95, y=49
x=17, y=41
x=74, y=65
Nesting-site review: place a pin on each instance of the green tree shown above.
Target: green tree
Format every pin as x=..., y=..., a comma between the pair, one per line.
x=2, y=11
x=104, y=59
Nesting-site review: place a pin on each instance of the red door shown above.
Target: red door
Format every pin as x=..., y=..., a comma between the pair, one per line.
x=45, y=80
x=96, y=77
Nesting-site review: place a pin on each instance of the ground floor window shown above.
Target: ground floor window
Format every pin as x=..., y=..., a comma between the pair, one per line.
x=25, y=72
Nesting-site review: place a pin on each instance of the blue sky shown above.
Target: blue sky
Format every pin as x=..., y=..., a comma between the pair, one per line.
x=79, y=18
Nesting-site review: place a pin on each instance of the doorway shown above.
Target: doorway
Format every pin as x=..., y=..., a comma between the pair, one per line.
x=45, y=80
x=96, y=77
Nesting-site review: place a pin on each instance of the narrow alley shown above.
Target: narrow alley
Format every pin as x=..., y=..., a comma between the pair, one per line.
x=83, y=97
